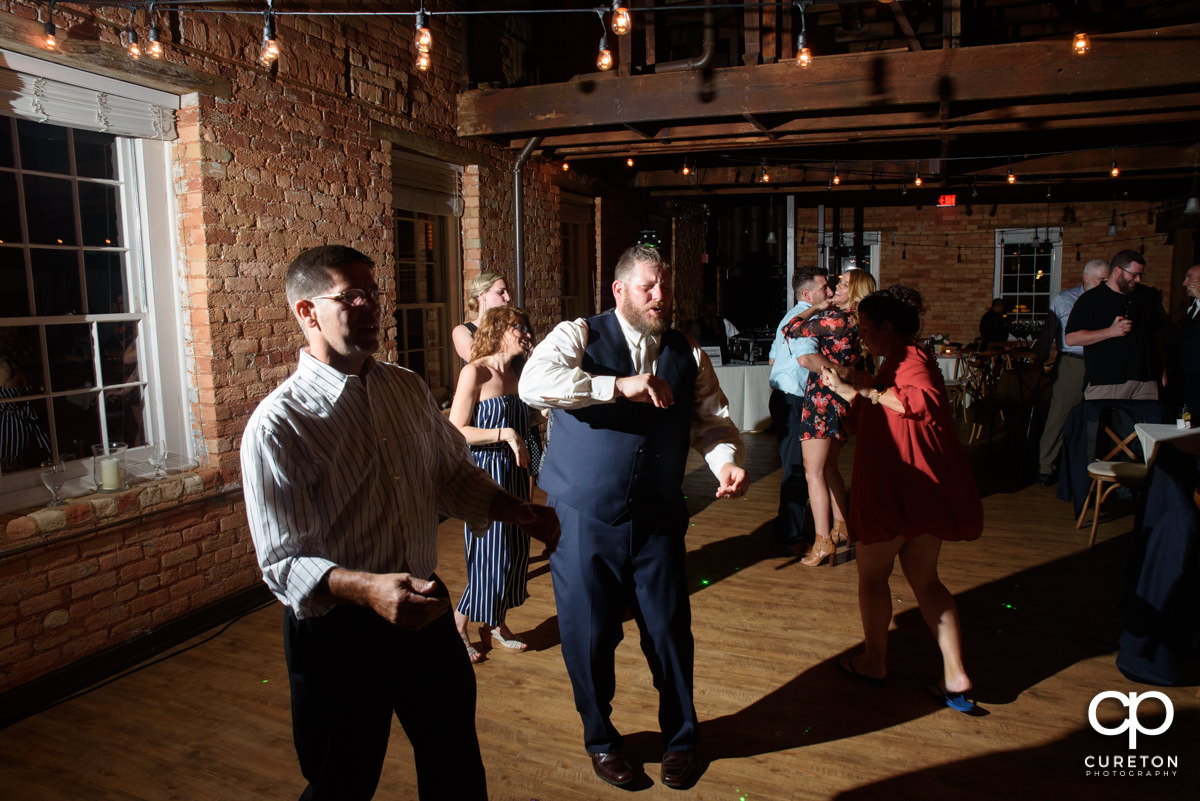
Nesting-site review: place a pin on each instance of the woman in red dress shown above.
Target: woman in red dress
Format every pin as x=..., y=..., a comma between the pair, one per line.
x=833, y=327
x=913, y=488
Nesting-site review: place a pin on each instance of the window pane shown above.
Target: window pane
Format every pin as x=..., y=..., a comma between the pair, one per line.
x=414, y=334
x=20, y=361
x=56, y=287
x=7, y=158
x=406, y=246
x=51, y=211
x=125, y=416
x=105, y=283
x=95, y=154
x=72, y=366
x=77, y=418
x=24, y=437
x=118, y=352
x=100, y=214
x=14, y=297
x=43, y=147
x=10, y=221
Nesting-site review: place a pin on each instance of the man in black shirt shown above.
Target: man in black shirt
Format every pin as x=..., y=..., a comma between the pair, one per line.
x=993, y=326
x=1119, y=325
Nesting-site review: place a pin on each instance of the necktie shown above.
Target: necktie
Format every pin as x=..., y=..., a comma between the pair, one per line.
x=1194, y=309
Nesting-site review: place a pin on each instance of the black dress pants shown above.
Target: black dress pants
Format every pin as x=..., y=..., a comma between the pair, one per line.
x=350, y=670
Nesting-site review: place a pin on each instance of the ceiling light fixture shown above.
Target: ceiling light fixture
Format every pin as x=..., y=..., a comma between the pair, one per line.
x=1012, y=179
x=604, y=60
x=51, y=40
x=1115, y=170
x=1081, y=45
x=837, y=179
x=155, y=48
x=131, y=38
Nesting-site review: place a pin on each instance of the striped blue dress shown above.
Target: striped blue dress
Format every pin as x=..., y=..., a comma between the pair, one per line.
x=498, y=562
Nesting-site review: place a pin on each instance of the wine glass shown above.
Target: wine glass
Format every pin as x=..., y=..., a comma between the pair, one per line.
x=158, y=457
x=54, y=475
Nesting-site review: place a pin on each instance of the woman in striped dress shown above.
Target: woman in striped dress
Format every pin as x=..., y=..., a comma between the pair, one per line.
x=494, y=422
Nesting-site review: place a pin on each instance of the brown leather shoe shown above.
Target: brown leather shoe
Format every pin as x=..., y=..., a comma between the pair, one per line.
x=679, y=768
x=613, y=767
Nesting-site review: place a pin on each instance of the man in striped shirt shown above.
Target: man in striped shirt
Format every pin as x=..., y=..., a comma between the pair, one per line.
x=345, y=466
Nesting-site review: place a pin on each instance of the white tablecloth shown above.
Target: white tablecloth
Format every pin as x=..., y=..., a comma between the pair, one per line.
x=1150, y=434
x=949, y=366
x=747, y=389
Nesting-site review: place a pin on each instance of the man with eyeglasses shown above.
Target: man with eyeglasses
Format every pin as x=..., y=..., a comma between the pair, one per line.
x=344, y=467
x=1119, y=325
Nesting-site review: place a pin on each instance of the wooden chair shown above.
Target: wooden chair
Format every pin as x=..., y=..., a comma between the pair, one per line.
x=1109, y=473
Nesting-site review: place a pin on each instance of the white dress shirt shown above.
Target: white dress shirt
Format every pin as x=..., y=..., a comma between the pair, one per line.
x=350, y=471
x=554, y=379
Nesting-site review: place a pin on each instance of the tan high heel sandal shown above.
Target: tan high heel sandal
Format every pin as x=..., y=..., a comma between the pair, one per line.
x=839, y=533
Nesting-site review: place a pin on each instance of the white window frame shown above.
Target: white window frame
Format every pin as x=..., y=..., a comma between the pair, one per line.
x=148, y=217
x=871, y=241
x=1026, y=236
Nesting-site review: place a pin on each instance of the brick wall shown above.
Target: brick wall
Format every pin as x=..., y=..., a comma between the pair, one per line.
x=287, y=161
x=920, y=246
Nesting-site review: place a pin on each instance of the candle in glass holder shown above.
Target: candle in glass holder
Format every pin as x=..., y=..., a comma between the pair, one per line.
x=110, y=473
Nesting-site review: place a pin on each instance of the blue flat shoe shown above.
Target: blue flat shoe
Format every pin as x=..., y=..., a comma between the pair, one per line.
x=957, y=701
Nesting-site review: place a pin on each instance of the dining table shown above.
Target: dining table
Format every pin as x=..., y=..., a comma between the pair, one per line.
x=747, y=388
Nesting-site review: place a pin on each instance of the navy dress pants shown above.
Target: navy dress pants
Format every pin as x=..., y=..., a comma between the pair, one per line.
x=350, y=670
x=599, y=571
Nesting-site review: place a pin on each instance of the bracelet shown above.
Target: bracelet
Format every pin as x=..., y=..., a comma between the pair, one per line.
x=874, y=395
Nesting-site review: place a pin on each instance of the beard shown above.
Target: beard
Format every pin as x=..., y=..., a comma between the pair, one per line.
x=642, y=321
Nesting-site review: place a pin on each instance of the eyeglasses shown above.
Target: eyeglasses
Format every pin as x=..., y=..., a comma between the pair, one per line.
x=352, y=297
x=1131, y=273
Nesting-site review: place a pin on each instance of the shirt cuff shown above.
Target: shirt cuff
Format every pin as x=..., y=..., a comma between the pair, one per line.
x=604, y=387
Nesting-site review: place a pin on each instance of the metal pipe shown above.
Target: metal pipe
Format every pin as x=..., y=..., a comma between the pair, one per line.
x=706, y=53
x=518, y=214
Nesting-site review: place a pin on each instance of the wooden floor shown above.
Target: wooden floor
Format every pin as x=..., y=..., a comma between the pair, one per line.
x=1041, y=614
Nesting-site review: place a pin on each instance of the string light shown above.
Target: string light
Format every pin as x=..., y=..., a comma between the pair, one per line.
x=51, y=40
x=687, y=170
x=269, y=51
x=764, y=177
x=837, y=179
x=604, y=59
x=621, y=22
x=155, y=48
x=629, y=162
x=1115, y=170
x=1012, y=179
x=423, y=41
x=917, y=180
x=803, y=54
x=1081, y=45
x=133, y=49
x=566, y=166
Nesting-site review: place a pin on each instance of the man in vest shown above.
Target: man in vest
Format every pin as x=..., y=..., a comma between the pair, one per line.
x=628, y=394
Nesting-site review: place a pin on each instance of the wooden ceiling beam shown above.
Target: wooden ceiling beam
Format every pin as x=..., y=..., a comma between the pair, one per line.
x=1129, y=64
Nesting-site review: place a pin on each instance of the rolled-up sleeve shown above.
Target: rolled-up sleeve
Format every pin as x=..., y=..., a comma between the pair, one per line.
x=714, y=434
x=553, y=377
x=283, y=519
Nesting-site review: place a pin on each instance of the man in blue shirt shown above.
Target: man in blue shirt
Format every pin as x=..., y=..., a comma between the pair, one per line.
x=810, y=285
x=1070, y=379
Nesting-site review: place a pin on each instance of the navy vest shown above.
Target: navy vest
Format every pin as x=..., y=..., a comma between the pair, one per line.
x=618, y=460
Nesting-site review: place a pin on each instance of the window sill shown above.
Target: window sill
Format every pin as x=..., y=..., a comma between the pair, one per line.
x=100, y=510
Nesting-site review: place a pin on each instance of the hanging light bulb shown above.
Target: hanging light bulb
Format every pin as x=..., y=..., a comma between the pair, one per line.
x=268, y=53
x=917, y=180
x=1114, y=171
x=629, y=162
x=1112, y=226
x=803, y=54
x=621, y=22
x=132, y=48
x=764, y=177
x=1012, y=179
x=687, y=170
x=604, y=61
x=837, y=179
x=1080, y=45
x=424, y=37
x=566, y=166
x=51, y=40
x=155, y=48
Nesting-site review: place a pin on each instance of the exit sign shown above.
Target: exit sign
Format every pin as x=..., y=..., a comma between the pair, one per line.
x=946, y=200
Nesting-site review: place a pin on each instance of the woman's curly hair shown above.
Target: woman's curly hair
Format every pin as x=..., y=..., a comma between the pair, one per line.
x=496, y=322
